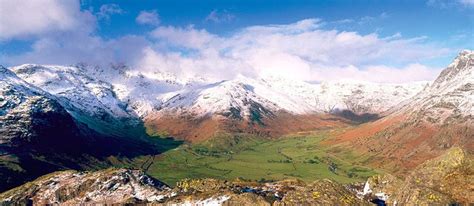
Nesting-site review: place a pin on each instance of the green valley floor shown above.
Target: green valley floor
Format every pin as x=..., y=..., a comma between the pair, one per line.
x=251, y=158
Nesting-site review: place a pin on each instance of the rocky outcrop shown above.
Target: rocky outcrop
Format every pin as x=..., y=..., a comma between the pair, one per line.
x=447, y=179
x=121, y=186
x=112, y=186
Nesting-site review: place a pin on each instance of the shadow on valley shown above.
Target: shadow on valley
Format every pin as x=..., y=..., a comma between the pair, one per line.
x=357, y=118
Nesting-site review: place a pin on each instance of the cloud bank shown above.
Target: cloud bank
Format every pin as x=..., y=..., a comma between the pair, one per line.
x=21, y=19
x=302, y=50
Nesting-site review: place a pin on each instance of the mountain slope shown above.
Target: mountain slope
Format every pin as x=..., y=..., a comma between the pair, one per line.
x=38, y=136
x=438, y=118
x=270, y=107
x=451, y=96
x=89, y=100
x=31, y=123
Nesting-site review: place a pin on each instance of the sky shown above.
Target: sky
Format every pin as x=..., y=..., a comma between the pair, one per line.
x=366, y=40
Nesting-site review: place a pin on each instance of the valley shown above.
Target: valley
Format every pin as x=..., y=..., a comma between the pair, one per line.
x=252, y=158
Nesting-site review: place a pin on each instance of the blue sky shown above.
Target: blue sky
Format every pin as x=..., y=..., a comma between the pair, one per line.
x=412, y=18
x=393, y=37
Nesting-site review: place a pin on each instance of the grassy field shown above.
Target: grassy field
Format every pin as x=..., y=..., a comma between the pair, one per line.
x=240, y=156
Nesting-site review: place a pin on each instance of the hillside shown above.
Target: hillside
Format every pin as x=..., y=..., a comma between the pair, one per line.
x=38, y=135
x=438, y=118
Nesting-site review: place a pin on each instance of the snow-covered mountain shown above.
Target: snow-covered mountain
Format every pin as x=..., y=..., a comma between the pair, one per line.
x=450, y=98
x=34, y=131
x=74, y=86
x=116, y=91
x=18, y=102
x=14, y=91
x=141, y=90
x=41, y=132
x=123, y=93
x=440, y=117
x=119, y=96
x=241, y=95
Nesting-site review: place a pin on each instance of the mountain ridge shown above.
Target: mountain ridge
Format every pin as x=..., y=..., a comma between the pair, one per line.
x=424, y=127
x=111, y=100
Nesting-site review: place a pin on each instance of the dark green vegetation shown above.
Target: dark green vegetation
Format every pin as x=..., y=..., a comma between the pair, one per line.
x=252, y=158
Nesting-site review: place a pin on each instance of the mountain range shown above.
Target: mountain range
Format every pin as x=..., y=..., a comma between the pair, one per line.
x=81, y=117
x=121, y=96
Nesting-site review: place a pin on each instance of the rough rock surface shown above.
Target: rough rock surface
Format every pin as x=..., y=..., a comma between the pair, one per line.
x=120, y=186
x=106, y=187
x=447, y=179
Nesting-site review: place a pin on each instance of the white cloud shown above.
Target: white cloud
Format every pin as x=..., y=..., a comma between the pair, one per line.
x=108, y=10
x=208, y=64
x=301, y=50
x=65, y=49
x=63, y=34
x=467, y=2
x=148, y=18
x=26, y=18
x=378, y=73
x=363, y=20
x=188, y=37
x=344, y=21
x=450, y=3
x=217, y=16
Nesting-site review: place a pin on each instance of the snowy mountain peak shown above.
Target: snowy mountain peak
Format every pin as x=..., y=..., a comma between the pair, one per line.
x=460, y=68
x=451, y=96
x=73, y=84
x=232, y=95
x=465, y=52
